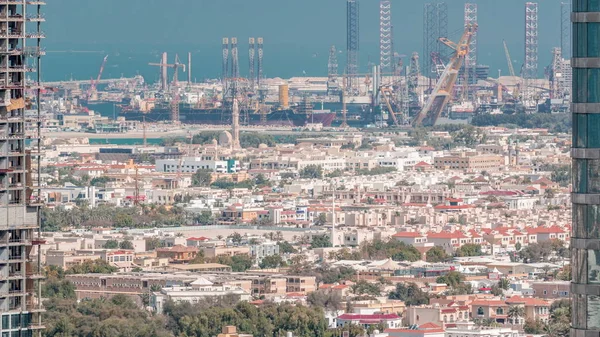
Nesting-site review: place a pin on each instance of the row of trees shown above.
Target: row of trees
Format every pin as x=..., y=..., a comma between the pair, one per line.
x=55, y=219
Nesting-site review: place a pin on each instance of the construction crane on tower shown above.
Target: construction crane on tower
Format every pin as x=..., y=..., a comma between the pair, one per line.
x=93, y=84
x=442, y=93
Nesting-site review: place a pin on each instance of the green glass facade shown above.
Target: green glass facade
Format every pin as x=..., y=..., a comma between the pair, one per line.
x=585, y=244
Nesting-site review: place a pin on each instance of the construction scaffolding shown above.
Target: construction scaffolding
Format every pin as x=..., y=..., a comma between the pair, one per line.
x=260, y=60
x=386, y=37
x=470, y=67
x=235, y=66
x=251, y=66
x=435, y=26
x=225, y=64
x=413, y=80
x=332, y=71
x=352, y=46
x=530, y=69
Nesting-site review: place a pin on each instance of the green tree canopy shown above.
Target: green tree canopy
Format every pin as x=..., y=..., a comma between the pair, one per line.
x=469, y=249
x=92, y=266
x=111, y=244
x=202, y=178
x=410, y=293
x=271, y=262
x=436, y=254
x=311, y=172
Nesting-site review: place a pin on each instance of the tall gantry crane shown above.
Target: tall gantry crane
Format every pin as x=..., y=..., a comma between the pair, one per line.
x=93, y=83
x=442, y=93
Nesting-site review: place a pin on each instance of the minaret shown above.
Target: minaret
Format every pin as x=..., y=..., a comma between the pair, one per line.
x=333, y=216
x=235, y=125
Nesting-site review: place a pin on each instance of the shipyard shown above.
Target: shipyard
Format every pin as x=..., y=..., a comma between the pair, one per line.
x=268, y=168
x=447, y=82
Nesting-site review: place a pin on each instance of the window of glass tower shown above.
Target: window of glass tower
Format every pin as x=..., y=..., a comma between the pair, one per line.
x=586, y=178
x=587, y=218
x=586, y=85
x=593, y=310
x=586, y=5
x=593, y=266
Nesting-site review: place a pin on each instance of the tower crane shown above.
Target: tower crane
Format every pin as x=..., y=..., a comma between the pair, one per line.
x=441, y=94
x=93, y=83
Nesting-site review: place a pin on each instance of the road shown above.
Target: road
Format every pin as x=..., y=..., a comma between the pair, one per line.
x=168, y=131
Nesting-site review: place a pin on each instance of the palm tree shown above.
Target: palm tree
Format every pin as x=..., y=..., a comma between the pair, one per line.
x=515, y=312
x=504, y=284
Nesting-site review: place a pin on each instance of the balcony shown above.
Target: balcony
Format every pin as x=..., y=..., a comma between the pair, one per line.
x=18, y=242
x=35, y=35
x=35, y=18
x=17, y=69
x=12, y=17
x=12, y=34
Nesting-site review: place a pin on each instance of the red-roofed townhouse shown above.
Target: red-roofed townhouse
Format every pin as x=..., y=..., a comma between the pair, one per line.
x=440, y=315
x=366, y=320
x=410, y=238
x=423, y=167
x=449, y=241
x=494, y=309
x=196, y=242
x=549, y=233
x=342, y=290
x=177, y=254
x=535, y=308
x=476, y=238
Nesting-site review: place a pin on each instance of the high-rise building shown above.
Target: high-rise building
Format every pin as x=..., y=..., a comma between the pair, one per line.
x=585, y=243
x=20, y=307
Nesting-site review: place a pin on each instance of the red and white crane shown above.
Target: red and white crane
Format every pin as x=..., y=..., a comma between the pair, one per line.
x=93, y=83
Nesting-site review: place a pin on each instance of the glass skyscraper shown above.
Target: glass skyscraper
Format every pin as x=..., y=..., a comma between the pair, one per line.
x=585, y=244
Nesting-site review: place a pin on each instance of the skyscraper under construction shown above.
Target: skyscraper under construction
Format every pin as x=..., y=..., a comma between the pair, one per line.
x=20, y=52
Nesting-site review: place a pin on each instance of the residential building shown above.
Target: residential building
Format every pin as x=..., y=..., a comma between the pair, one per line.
x=193, y=164
x=177, y=254
x=365, y=320
x=195, y=292
x=552, y=289
x=475, y=163
x=470, y=330
x=260, y=250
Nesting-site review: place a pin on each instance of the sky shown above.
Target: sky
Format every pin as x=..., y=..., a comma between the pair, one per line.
x=297, y=33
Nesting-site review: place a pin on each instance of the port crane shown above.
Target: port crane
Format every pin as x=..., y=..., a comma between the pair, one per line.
x=442, y=93
x=93, y=83
x=386, y=93
x=175, y=94
x=511, y=69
